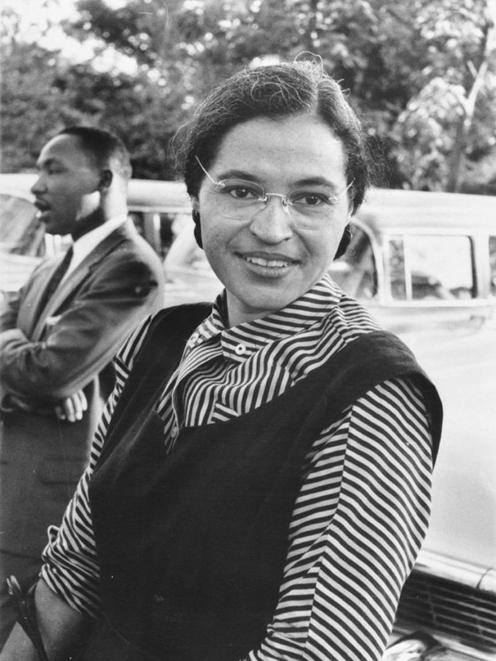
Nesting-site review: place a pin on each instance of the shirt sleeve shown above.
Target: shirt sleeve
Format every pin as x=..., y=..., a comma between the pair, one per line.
x=356, y=529
x=70, y=566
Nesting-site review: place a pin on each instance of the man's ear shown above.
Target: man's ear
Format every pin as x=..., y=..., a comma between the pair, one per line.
x=105, y=180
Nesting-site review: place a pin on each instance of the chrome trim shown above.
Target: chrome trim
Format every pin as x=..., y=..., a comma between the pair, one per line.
x=470, y=575
x=454, y=651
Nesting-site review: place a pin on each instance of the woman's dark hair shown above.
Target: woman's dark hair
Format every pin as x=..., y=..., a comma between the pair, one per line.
x=272, y=91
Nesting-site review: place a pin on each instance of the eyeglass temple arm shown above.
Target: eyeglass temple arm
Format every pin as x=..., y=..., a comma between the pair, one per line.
x=267, y=195
x=216, y=183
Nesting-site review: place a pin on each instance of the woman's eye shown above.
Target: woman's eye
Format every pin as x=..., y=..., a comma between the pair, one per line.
x=242, y=191
x=310, y=199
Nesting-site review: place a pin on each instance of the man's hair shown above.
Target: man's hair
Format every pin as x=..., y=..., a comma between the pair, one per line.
x=107, y=150
x=273, y=91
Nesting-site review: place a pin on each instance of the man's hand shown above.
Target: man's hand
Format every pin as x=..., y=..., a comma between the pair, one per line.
x=72, y=408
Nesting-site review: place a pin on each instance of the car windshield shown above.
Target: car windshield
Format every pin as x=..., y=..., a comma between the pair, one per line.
x=20, y=232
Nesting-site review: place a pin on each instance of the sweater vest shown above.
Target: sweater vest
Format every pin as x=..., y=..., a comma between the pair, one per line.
x=192, y=544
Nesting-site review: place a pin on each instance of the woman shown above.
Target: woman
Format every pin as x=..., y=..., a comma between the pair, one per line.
x=258, y=488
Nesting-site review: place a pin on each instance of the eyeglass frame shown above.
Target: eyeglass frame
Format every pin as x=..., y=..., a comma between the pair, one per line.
x=286, y=202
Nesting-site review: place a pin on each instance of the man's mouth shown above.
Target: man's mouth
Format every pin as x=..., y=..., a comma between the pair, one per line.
x=41, y=205
x=43, y=208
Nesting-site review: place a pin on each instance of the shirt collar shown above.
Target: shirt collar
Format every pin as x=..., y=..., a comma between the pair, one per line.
x=86, y=243
x=239, y=342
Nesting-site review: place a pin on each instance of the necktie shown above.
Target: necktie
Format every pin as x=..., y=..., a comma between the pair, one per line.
x=56, y=278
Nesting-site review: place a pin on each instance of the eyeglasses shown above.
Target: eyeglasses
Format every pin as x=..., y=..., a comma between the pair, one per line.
x=241, y=198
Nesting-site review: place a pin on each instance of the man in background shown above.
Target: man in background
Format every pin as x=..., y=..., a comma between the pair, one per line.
x=58, y=337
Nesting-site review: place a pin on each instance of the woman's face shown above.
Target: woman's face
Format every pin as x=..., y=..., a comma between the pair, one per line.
x=267, y=255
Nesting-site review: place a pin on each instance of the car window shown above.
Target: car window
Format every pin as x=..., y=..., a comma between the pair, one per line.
x=355, y=272
x=156, y=228
x=430, y=267
x=492, y=265
x=20, y=232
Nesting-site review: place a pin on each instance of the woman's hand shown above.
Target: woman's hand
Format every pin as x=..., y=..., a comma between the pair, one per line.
x=63, y=630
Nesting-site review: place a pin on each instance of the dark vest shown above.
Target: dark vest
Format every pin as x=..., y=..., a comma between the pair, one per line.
x=192, y=545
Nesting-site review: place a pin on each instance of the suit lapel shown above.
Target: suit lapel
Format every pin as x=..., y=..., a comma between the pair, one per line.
x=75, y=278
x=29, y=311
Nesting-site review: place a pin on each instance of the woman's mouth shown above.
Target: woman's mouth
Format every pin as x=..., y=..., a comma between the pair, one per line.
x=271, y=263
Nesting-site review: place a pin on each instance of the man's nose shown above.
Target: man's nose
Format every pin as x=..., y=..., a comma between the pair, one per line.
x=39, y=185
x=273, y=223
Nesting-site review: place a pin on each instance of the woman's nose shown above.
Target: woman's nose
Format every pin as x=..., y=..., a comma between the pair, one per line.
x=273, y=222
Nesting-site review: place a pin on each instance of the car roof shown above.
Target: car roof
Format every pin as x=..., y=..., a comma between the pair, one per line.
x=146, y=193
x=142, y=194
x=17, y=184
x=388, y=210
x=384, y=210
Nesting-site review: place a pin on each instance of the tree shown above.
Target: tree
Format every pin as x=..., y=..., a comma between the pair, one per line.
x=143, y=113
x=32, y=107
x=449, y=120
x=420, y=72
x=42, y=92
x=368, y=45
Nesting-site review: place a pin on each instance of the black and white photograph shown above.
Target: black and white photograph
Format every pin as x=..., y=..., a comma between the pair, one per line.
x=248, y=330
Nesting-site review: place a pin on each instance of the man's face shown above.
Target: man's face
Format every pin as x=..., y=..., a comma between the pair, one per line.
x=67, y=188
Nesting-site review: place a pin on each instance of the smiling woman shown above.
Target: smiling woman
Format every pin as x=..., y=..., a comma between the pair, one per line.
x=269, y=254
x=259, y=486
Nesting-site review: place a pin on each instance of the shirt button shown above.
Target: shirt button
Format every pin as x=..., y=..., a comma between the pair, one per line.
x=194, y=338
x=240, y=349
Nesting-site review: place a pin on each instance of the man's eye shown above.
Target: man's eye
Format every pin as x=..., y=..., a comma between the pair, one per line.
x=54, y=171
x=310, y=199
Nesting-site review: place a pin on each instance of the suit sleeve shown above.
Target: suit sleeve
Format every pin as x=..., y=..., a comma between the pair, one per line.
x=83, y=339
x=9, y=307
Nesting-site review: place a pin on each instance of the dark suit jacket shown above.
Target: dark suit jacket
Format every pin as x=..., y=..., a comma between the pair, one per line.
x=49, y=354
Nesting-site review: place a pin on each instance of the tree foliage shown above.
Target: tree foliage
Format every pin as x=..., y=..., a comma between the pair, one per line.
x=32, y=107
x=420, y=72
x=42, y=92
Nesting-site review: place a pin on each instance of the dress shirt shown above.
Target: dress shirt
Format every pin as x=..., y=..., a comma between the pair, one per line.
x=353, y=536
x=89, y=241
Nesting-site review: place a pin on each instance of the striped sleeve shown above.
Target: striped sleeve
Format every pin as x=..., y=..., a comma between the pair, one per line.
x=70, y=566
x=357, y=526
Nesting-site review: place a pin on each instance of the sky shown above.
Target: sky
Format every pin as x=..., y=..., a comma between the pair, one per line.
x=40, y=22
x=36, y=15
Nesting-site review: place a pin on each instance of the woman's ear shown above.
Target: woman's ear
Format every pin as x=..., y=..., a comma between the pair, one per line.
x=196, y=219
x=345, y=242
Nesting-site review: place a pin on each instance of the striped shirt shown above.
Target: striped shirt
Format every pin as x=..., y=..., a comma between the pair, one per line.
x=363, y=506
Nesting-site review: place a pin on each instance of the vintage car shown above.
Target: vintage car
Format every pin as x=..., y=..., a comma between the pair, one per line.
x=425, y=266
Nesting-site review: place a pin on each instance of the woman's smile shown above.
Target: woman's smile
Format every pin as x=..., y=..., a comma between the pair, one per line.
x=267, y=255
x=268, y=264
